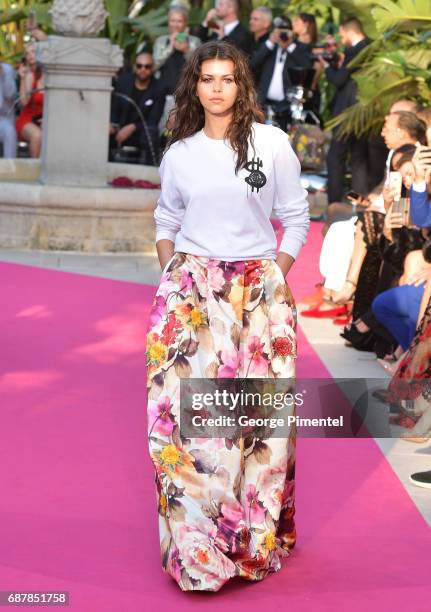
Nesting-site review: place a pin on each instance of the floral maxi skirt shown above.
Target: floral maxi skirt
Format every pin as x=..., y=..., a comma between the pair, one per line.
x=225, y=508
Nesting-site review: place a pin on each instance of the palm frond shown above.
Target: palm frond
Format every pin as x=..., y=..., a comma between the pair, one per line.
x=404, y=15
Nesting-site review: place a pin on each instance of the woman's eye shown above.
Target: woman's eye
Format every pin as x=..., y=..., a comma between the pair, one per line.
x=229, y=80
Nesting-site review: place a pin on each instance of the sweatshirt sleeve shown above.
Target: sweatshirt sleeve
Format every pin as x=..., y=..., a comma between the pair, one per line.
x=170, y=208
x=291, y=204
x=420, y=205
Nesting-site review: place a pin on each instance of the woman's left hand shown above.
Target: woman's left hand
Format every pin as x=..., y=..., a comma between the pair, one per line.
x=419, y=278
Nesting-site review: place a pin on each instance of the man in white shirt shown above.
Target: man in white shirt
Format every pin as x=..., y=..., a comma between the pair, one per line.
x=224, y=22
x=273, y=60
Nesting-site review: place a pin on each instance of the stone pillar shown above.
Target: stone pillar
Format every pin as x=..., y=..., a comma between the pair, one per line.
x=78, y=74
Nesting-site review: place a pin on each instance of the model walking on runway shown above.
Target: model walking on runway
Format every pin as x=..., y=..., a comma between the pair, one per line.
x=222, y=310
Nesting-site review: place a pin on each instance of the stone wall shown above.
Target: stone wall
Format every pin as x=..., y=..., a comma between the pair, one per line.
x=87, y=219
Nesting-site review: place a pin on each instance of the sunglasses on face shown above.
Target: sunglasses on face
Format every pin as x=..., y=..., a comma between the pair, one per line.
x=146, y=66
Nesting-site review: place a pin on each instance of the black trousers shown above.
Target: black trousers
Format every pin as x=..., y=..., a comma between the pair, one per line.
x=141, y=140
x=367, y=162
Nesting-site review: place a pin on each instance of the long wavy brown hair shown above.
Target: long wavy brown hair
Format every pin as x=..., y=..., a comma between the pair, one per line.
x=188, y=116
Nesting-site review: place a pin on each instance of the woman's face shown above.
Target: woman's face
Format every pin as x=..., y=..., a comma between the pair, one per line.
x=216, y=88
x=30, y=54
x=299, y=26
x=407, y=171
x=176, y=22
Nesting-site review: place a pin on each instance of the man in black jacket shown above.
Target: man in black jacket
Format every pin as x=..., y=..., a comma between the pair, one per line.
x=353, y=38
x=137, y=93
x=273, y=60
x=260, y=25
x=223, y=20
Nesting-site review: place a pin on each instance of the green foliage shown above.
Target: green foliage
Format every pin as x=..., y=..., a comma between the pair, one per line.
x=395, y=65
x=120, y=29
x=130, y=32
x=13, y=17
x=404, y=15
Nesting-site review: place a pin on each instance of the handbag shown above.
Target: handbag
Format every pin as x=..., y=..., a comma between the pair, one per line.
x=309, y=143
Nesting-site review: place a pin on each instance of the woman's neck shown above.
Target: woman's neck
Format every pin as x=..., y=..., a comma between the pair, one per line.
x=216, y=125
x=304, y=38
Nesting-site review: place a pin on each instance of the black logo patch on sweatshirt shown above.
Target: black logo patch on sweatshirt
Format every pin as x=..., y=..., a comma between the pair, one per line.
x=256, y=179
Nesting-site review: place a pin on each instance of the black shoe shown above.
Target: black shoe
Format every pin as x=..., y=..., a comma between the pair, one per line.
x=421, y=479
x=361, y=341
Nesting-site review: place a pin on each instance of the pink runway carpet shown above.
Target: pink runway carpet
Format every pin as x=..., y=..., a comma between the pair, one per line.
x=78, y=506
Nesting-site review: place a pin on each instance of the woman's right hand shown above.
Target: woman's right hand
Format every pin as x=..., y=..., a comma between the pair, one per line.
x=23, y=70
x=388, y=196
x=422, y=164
x=211, y=15
x=392, y=220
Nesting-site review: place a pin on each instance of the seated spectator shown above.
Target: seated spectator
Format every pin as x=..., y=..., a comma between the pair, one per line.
x=398, y=308
x=29, y=121
x=366, y=276
x=389, y=255
x=224, y=22
x=344, y=210
x=138, y=96
x=8, y=93
x=415, y=364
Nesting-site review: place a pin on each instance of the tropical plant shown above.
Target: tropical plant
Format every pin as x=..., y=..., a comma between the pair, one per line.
x=396, y=65
x=13, y=17
x=127, y=32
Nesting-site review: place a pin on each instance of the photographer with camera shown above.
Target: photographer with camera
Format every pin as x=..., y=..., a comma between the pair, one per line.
x=339, y=74
x=273, y=59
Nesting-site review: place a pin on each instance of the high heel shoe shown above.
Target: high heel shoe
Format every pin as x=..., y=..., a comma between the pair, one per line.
x=349, y=297
x=361, y=341
x=320, y=313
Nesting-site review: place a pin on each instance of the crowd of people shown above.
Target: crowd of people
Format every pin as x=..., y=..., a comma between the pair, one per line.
x=376, y=262
x=376, y=254
x=272, y=46
x=143, y=94
x=21, y=100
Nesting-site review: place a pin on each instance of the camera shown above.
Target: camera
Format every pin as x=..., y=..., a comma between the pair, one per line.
x=284, y=27
x=327, y=51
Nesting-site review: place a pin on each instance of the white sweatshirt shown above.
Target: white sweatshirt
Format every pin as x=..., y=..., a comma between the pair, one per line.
x=205, y=209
